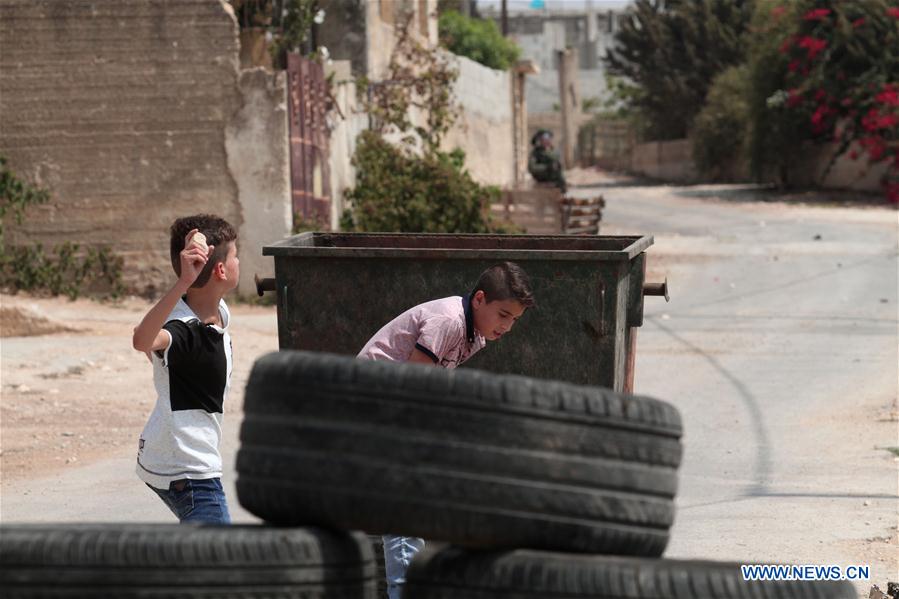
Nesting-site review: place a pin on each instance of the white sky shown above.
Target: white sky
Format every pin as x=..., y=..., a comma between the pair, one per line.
x=524, y=5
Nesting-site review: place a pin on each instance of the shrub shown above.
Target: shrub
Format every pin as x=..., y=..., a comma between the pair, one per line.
x=776, y=132
x=719, y=131
x=397, y=190
x=67, y=270
x=477, y=39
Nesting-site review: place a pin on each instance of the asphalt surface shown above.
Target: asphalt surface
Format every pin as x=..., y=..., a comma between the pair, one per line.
x=779, y=346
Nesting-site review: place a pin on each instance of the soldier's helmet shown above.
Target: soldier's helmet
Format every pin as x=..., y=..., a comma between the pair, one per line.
x=540, y=135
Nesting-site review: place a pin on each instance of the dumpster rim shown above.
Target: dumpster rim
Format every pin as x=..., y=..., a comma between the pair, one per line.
x=286, y=247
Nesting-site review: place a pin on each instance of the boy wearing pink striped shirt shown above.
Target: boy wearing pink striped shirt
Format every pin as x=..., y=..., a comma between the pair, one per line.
x=445, y=333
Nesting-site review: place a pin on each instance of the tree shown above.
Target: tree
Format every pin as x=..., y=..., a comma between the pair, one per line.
x=671, y=52
x=477, y=39
x=777, y=130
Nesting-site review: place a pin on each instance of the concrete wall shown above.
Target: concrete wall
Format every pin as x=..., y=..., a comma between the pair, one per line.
x=485, y=127
x=845, y=173
x=665, y=160
x=344, y=132
x=136, y=113
x=120, y=108
x=673, y=161
x=256, y=140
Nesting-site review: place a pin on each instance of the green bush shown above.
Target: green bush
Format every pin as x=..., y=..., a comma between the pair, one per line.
x=398, y=191
x=477, y=39
x=719, y=131
x=63, y=271
x=67, y=271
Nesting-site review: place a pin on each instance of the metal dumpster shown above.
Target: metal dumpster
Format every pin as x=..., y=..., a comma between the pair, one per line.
x=335, y=290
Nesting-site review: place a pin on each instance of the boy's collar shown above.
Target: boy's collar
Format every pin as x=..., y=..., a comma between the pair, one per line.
x=469, y=318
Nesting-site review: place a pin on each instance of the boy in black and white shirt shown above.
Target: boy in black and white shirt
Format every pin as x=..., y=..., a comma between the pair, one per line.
x=186, y=338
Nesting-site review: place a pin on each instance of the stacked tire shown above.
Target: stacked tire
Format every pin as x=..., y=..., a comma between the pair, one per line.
x=541, y=488
x=173, y=561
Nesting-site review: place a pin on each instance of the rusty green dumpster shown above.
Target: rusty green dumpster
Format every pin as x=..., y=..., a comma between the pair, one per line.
x=335, y=290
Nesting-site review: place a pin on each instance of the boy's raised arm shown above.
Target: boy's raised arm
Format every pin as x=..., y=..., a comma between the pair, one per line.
x=148, y=335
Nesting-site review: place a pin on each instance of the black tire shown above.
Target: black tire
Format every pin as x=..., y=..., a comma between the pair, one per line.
x=377, y=546
x=144, y=560
x=453, y=573
x=469, y=457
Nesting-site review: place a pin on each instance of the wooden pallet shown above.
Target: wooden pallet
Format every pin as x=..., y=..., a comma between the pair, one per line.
x=581, y=216
x=534, y=210
x=543, y=210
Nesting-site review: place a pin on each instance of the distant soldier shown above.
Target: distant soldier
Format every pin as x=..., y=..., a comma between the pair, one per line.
x=544, y=164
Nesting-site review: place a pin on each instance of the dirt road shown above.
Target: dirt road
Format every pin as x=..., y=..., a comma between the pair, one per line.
x=75, y=401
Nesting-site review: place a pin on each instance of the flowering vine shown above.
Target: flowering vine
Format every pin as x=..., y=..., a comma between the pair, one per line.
x=843, y=71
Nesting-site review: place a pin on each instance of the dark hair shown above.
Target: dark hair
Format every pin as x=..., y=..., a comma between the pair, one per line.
x=218, y=232
x=504, y=281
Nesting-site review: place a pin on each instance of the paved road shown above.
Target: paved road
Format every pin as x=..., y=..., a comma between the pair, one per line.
x=779, y=346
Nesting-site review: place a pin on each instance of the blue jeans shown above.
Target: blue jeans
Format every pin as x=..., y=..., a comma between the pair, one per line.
x=197, y=501
x=398, y=554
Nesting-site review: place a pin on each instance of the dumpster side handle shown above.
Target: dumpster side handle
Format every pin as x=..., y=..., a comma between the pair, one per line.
x=263, y=285
x=660, y=289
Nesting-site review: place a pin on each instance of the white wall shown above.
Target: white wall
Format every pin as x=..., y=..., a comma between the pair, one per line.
x=485, y=127
x=344, y=132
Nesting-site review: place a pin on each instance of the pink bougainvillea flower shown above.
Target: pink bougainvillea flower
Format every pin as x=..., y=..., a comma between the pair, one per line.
x=793, y=66
x=893, y=12
x=819, y=124
x=794, y=97
x=820, y=95
x=874, y=121
x=875, y=147
x=853, y=154
x=869, y=121
x=889, y=95
x=817, y=15
x=813, y=45
x=858, y=22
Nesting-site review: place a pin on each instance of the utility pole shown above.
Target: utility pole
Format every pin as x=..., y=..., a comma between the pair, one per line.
x=505, y=17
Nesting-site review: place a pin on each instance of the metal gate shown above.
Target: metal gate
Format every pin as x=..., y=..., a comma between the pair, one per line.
x=310, y=180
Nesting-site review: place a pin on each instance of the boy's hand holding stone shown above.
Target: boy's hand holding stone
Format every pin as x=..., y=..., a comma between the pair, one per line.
x=194, y=256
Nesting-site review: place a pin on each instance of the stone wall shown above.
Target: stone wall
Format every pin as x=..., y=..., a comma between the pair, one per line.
x=665, y=160
x=133, y=114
